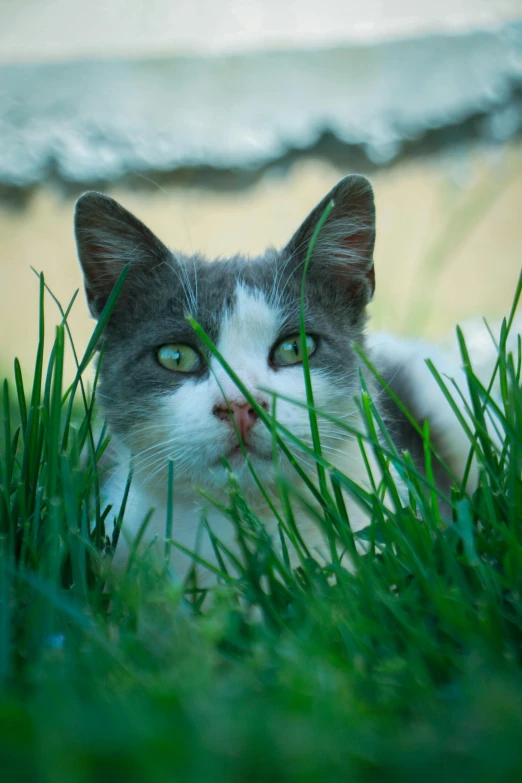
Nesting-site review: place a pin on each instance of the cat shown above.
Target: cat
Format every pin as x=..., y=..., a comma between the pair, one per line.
x=165, y=397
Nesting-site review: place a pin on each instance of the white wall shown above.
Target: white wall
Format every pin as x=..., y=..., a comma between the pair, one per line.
x=60, y=29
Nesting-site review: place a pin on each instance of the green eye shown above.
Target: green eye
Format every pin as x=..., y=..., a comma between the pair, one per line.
x=289, y=350
x=179, y=358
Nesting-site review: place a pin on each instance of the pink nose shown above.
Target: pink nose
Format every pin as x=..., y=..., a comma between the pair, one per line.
x=244, y=415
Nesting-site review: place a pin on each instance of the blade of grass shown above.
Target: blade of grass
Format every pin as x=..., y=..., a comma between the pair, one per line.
x=170, y=513
x=316, y=440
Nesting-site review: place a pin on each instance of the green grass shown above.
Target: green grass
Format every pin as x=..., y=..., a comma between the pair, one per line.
x=407, y=668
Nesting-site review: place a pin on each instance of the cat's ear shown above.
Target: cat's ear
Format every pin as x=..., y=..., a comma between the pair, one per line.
x=344, y=247
x=107, y=238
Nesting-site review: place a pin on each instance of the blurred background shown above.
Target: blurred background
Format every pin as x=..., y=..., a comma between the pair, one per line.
x=221, y=123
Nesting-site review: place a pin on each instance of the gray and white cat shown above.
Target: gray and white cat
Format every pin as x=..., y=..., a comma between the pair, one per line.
x=165, y=398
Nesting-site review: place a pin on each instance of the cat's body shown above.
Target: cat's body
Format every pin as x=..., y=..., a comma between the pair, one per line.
x=166, y=398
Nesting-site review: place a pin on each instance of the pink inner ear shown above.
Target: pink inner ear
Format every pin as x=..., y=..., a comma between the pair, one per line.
x=356, y=261
x=351, y=277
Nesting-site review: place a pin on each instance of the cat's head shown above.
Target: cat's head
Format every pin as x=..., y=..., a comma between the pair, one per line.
x=164, y=396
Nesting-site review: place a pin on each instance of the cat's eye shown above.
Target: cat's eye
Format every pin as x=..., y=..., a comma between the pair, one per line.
x=179, y=358
x=289, y=350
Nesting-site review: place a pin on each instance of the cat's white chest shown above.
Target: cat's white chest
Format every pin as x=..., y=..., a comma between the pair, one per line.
x=194, y=523
x=193, y=516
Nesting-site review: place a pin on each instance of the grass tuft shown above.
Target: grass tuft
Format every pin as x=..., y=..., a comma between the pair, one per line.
x=398, y=657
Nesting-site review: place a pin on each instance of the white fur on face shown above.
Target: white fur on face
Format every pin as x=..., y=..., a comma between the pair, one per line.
x=186, y=430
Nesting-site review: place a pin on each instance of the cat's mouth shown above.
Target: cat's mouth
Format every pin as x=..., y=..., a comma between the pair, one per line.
x=238, y=452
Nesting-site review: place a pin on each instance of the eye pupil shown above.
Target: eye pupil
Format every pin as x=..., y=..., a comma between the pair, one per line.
x=295, y=348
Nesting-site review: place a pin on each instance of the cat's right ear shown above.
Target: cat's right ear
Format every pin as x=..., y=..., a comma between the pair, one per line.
x=108, y=237
x=344, y=247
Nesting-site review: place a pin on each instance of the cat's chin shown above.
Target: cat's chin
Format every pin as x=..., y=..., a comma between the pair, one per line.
x=260, y=462
x=240, y=460
x=238, y=453
x=237, y=457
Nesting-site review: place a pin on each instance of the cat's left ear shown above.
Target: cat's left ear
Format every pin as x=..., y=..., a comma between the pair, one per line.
x=107, y=238
x=344, y=247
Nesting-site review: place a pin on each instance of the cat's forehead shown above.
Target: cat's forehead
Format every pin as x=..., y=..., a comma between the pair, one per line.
x=260, y=291
x=224, y=283
x=253, y=320
x=236, y=291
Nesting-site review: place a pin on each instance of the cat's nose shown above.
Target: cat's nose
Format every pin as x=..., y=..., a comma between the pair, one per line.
x=244, y=415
